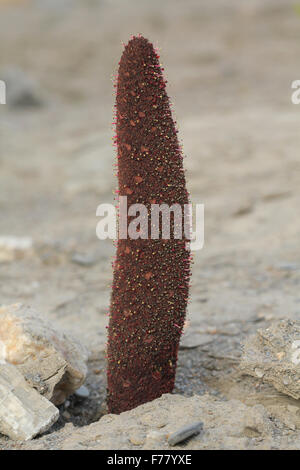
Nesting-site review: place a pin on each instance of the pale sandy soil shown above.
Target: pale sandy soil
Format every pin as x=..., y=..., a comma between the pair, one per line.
x=230, y=65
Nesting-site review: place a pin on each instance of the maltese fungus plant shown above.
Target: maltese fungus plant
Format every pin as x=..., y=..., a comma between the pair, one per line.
x=151, y=276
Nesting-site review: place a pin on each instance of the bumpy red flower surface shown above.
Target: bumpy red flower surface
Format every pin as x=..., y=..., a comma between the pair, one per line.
x=151, y=277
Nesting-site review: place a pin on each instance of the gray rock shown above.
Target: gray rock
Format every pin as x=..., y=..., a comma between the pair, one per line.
x=273, y=355
x=51, y=361
x=185, y=432
x=82, y=392
x=24, y=413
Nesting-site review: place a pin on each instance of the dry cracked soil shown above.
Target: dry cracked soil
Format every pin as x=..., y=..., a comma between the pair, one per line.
x=230, y=66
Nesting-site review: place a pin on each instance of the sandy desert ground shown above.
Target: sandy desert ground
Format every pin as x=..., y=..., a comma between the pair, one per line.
x=230, y=65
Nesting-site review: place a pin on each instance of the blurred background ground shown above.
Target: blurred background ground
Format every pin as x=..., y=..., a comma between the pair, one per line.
x=230, y=65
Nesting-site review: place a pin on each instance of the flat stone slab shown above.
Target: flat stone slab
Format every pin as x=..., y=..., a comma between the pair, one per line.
x=52, y=362
x=24, y=413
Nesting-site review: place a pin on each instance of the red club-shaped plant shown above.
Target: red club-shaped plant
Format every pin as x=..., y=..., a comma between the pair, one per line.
x=151, y=276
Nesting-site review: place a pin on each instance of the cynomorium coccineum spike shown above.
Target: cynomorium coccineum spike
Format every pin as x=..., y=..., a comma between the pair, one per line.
x=151, y=277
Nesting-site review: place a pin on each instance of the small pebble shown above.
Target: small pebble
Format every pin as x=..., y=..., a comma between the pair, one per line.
x=83, y=260
x=82, y=392
x=136, y=438
x=66, y=415
x=185, y=432
x=15, y=243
